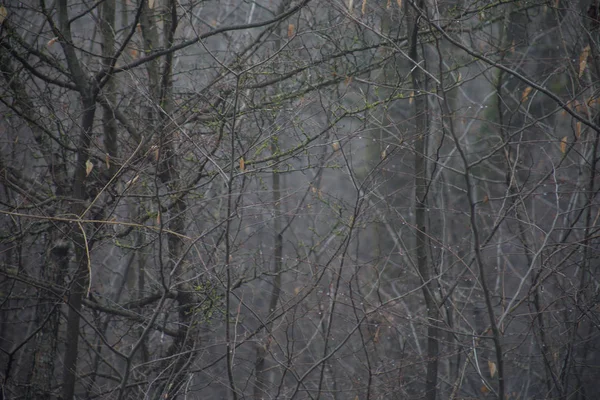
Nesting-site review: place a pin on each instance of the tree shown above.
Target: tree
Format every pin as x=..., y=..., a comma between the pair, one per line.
x=299, y=199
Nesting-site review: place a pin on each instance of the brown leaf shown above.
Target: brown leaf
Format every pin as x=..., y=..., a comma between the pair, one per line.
x=88, y=167
x=492, y=367
x=411, y=97
x=486, y=198
x=399, y=3
x=52, y=41
x=107, y=160
x=578, y=129
x=484, y=389
x=363, y=9
x=563, y=145
x=583, y=59
x=291, y=30
x=242, y=165
x=525, y=94
x=376, y=336
x=348, y=80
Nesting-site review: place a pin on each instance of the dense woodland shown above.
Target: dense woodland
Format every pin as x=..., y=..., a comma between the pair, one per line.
x=296, y=199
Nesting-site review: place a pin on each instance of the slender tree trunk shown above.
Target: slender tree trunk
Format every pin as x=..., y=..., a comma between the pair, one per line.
x=420, y=165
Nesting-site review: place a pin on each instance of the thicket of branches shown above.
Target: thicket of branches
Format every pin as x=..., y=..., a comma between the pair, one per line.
x=286, y=199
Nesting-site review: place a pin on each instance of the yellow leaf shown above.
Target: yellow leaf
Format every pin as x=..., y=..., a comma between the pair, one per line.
x=363, y=10
x=52, y=41
x=242, y=164
x=336, y=145
x=578, y=129
x=563, y=145
x=3, y=14
x=492, y=367
x=583, y=59
x=88, y=167
x=291, y=29
x=525, y=94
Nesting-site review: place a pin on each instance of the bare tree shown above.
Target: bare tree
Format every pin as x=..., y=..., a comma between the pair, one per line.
x=297, y=199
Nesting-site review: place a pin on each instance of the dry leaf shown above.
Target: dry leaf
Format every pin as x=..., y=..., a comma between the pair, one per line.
x=376, y=336
x=291, y=29
x=336, y=145
x=107, y=160
x=88, y=167
x=492, y=367
x=151, y=4
x=132, y=181
x=3, y=14
x=484, y=389
x=411, y=97
x=133, y=53
x=313, y=189
x=563, y=145
x=52, y=41
x=348, y=80
x=486, y=198
x=399, y=3
x=350, y=5
x=578, y=129
x=363, y=9
x=389, y=4
x=525, y=94
x=583, y=59
x=158, y=218
x=242, y=164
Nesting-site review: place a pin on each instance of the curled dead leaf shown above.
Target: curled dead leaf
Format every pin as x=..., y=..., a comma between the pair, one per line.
x=563, y=145
x=526, y=93
x=88, y=167
x=583, y=57
x=492, y=368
